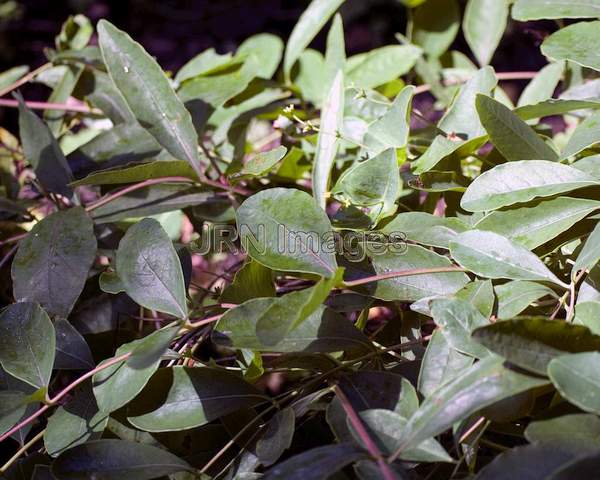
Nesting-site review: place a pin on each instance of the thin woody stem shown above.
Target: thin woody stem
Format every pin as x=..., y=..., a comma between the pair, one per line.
x=54, y=400
x=402, y=273
x=154, y=181
x=26, y=78
x=5, y=102
x=21, y=451
x=370, y=445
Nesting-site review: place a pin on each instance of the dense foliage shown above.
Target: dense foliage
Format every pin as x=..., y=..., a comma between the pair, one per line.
x=271, y=265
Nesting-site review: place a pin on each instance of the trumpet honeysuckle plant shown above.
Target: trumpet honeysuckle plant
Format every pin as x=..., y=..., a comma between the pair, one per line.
x=273, y=264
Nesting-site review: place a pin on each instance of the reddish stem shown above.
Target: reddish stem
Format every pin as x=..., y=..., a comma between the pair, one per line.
x=54, y=400
x=5, y=102
x=386, y=471
x=402, y=273
x=154, y=181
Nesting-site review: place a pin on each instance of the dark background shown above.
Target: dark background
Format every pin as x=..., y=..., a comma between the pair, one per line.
x=176, y=30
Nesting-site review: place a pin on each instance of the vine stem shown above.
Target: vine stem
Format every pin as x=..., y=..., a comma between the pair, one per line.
x=5, y=102
x=386, y=471
x=25, y=79
x=21, y=451
x=402, y=273
x=499, y=75
x=154, y=181
x=54, y=400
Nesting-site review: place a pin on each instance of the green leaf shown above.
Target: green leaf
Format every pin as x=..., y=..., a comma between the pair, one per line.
x=485, y=383
x=457, y=318
x=317, y=463
x=72, y=352
x=441, y=364
x=436, y=181
x=534, y=225
x=539, y=460
x=588, y=313
x=309, y=24
x=554, y=107
x=434, y=32
x=381, y=65
x=580, y=467
x=116, y=385
x=150, y=349
x=13, y=406
x=412, y=287
x=442, y=148
x=524, y=10
x=522, y=181
x=590, y=253
x=253, y=280
x=75, y=33
x=332, y=115
x=27, y=343
x=310, y=76
x=374, y=182
x=148, y=94
x=288, y=218
x=202, y=63
x=577, y=379
x=115, y=460
x=138, y=173
x=196, y=396
x=150, y=270
x=542, y=86
x=582, y=428
x=214, y=90
x=490, y=255
x=277, y=437
x=385, y=428
x=584, y=136
x=264, y=52
x=516, y=296
x=10, y=76
x=391, y=130
x=483, y=25
x=261, y=163
x=289, y=311
x=575, y=43
x=480, y=294
x=122, y=144
x=511, y=136
x=75, y=422
x=322, y=331
x=335, y=53
x=531, y=343
x=53, y=262
x=461, y=118
x=425, y=228
x=43, y=152
x=60, y=94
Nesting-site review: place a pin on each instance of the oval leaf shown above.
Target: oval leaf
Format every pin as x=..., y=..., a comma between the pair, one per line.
x=490, y=255
x=27, y=343
x=577, y=379
x=531, y=343
x=53, y=261
x=116, y=460
x=285, y=230
x=150, y=270
x=196, y=396
x=148, y=94
x=522, y=181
